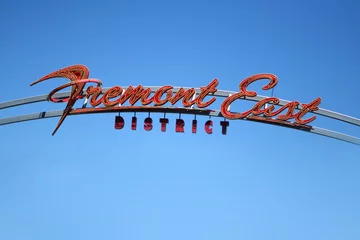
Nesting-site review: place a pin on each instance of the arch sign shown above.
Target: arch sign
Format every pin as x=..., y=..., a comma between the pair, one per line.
x=163, y=99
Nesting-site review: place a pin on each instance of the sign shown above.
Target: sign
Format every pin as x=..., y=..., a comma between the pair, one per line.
x=179, y=100
x=114, y=99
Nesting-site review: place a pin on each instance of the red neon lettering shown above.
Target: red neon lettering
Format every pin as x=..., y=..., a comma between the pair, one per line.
x=245, y=93
x=194, y=126
x=224, y=125
x=185, y=95
x=78, y=76
x=313, y=106
x=291, y=106
x=119, y=122
x=208, y=126
x=179, y=125
x=225, y=106
x=136, y=94
x=247, y=81
x=148, y=124
x=211, y=88
x=159, y=93
x=133, y=123
x=269, y=111
x=163, y=122
x=111, y=93
x=257, y=109
x=94, y=92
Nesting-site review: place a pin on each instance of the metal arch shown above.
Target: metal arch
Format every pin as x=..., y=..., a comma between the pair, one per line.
x=213, y=113
x=219, y=93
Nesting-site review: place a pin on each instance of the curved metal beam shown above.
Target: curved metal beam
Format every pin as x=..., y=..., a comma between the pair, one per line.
x=219, y=93
x=214, y=113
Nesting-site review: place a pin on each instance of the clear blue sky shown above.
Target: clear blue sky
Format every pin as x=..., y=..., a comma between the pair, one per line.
x=258, y=182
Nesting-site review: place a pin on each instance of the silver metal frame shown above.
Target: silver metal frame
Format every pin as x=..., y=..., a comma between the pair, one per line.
x=215, y=113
